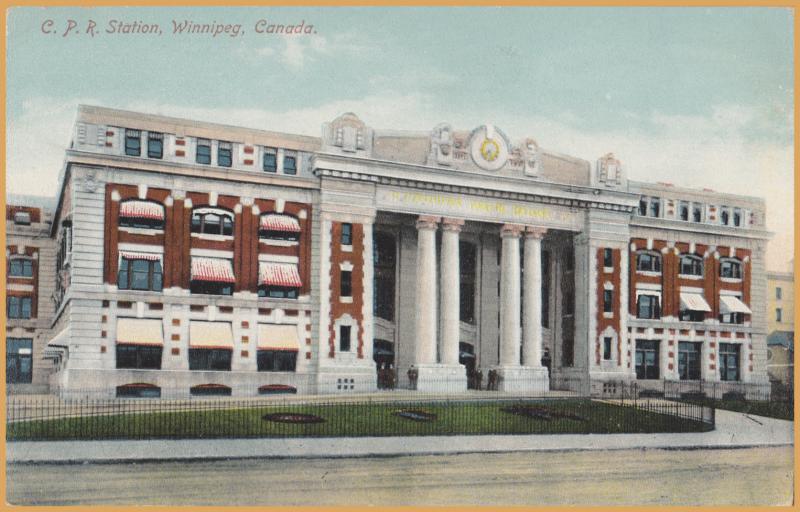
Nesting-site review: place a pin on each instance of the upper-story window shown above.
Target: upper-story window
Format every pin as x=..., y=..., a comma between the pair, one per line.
x=22, y=218
x=737, y=217
x=140, y=271
x=697, y=212
x=648, y=261
x=224, y=154
x=683, y=210
x=608, y=257
x=730, y=268
x=155, y=145
x=778, y=293
x=270, y=162
x=203, y=155
x=290, y=164
x=276, y=226
x=347, y=234
x=278, y=280
x=650, y=206
x=135, y=213
x=19, y=307
x=725, y=216
x=212, y=221
x=691, y=265
x=20, y=267
x=655, y=207
x=643, y=206
x=133, y=142
x=212, y=276
x=648, y=306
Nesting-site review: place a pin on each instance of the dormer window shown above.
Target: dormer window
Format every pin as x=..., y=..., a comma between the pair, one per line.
x=136, y=213
x=212, y=221
x=648, y=262
x=691, y=265
x=22, y=218
x=275, y=226
x=730, y=268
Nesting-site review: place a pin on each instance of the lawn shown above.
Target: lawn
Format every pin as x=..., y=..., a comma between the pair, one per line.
x=772, y=409
x=359, y=419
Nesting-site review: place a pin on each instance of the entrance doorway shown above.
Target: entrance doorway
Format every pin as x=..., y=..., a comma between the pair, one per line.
x=383, y=355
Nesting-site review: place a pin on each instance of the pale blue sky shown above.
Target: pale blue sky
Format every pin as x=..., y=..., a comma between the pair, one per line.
x=698, y=96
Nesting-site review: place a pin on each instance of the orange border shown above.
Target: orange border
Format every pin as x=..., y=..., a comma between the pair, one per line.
x=387, y=3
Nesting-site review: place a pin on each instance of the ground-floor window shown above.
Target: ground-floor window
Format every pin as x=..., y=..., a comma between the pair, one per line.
x=211, y=288
x=19, y=359
x=277, y=292
x=729, y=361
x=688, y=315
x=689, y=360
x=210, y=359
x=138, y=390
x=277, y=360
x=143, y=357
x=647, y=359
x=210, y=390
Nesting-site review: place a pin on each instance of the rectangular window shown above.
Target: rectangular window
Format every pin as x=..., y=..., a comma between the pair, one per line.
x=655, y=207
x=224, y=154
x=647, y=360
x=737, y=217
x=778, y=315
x=214, y=359
x=133, y=143
x=346, y=283
x=607, y=348
x=139, y=357
x=276, y=360
x=697, y=212
x=22, y=267
x=277, y=292
x=347, y=234
x=643, y=207
x=155, y=145
x=344, y=338
x=731, y=318
x=683, y=210
x=19, y=307
x=608, y=301
x=689, y=360
x=211, y=288
x=22, y=218
x=289, y=165
x=647, y=306
x=140, y=275
x=19, y=360
x=725, y=216
x=778, y=293
x=687, y=315
x=270, y=162
x=608, y=258
x=729, y=362
x=203, y=155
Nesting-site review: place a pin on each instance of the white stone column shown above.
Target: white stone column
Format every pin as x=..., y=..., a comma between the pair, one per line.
x=510, y=296
x=532, y=314
x=425, y=325
x=451, y=297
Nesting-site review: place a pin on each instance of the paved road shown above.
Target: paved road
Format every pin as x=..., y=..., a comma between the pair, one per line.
x=754, y=476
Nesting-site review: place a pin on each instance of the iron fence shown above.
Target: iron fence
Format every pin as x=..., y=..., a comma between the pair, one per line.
x=49, y=418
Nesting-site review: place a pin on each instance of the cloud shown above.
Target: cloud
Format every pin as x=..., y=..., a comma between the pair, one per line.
x=301, y=50
x=717, y=151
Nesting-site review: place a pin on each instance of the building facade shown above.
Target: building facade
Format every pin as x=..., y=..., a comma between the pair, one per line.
x=780, y=326
x=195, y=258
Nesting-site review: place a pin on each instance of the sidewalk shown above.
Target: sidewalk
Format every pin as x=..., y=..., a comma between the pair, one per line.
x=734, y=430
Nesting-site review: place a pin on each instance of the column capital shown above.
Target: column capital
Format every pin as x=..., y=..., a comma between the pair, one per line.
x=535, y=232
x=449, y=224
x=511, y=230
x=428, y=222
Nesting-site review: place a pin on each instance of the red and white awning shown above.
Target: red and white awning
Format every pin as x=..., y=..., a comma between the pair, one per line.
x=147, y=256
x=277, y=222
x=730, y=304
x=217, y=270
x=278, y=274
x=694, y=302
x=141, y=210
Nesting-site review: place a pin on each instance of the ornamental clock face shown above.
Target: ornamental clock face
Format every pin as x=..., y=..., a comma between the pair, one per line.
x=488, y=148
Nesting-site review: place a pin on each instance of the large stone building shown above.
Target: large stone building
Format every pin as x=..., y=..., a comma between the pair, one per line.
x=196, y=258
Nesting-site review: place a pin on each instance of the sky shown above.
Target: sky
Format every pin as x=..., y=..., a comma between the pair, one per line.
x=698, y=97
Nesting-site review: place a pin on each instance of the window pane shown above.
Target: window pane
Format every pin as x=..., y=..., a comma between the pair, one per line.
x=347, y=234
x=155, y=148
x=289, y=165
x=203, y=153
x=224, y=157
x=270, y=162
x=227, y=226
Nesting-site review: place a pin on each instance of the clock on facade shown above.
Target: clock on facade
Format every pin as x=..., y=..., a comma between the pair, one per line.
x=488, y=148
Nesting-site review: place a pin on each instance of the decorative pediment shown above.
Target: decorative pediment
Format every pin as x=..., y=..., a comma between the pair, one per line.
x=609, y=170
x=348, y=133
x=525, y=155
x=442, y=145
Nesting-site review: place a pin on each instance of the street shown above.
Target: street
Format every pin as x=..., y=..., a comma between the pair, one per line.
x=754, y=476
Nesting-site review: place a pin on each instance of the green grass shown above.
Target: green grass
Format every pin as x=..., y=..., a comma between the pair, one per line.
x=351, y=420
x=772, y=409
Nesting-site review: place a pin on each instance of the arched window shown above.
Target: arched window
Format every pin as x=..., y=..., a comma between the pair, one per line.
x=212, y=221
x=730, y=267
x=691, y=265
x=279, y=226
x=648, y=261
x=137, y=213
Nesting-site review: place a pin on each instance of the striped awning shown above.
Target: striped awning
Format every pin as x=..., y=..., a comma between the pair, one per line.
x=278, y=337
x=278, y=274
x=148, y=256
x=277, y=222
x=216, y=270
x=730, y=304
x=139, y=331
x=141, y=210
x=694, y=302
x=210, y=334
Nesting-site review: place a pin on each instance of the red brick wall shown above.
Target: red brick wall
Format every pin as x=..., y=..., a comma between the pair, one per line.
x=31, y=252
x=36, y=213
x=602, y=322
x=355, y=308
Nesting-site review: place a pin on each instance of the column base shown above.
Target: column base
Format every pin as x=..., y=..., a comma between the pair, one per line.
x=522, y=379
x=440, y=378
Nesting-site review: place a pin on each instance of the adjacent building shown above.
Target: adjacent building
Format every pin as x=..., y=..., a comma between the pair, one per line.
x=780, y=313
x=194, y=258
